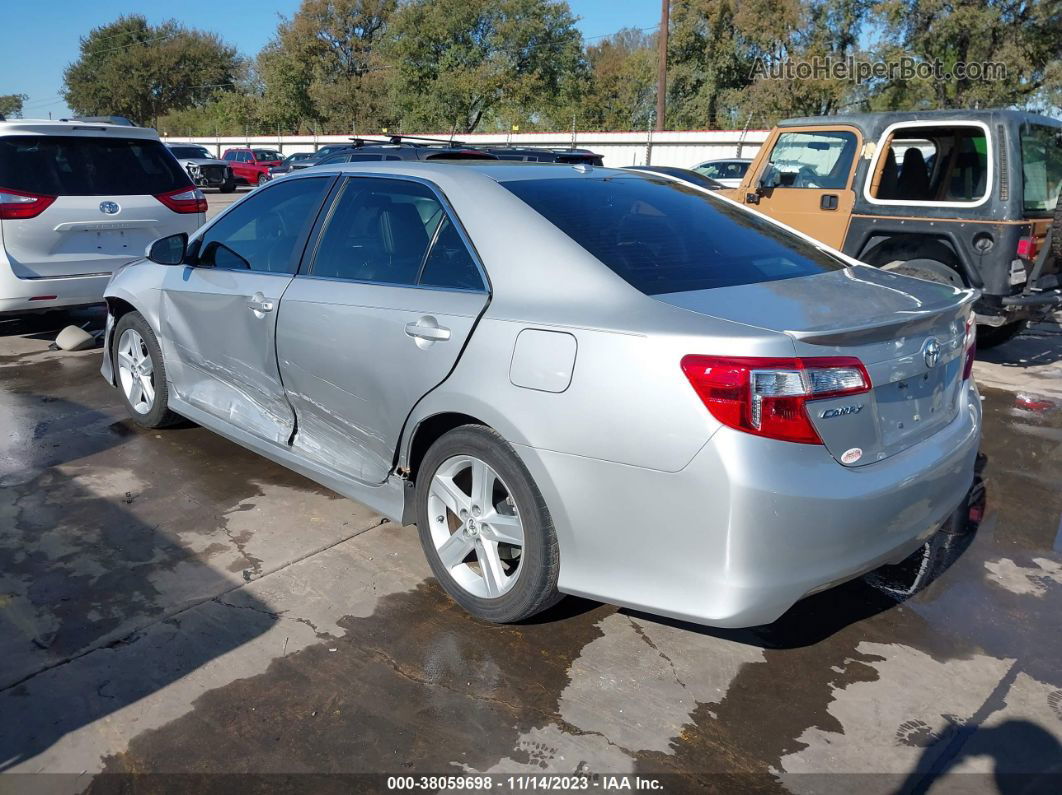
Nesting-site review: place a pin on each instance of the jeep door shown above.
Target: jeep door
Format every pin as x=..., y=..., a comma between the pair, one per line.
x=804, y=178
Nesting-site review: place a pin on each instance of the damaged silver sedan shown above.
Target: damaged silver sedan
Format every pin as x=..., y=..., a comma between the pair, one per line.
x=571, y=379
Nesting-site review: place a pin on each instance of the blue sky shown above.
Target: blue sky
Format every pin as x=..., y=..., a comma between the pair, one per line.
x=38, y=39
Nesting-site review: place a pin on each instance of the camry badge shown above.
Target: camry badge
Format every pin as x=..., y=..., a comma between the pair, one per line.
x=931, y=352
x=109, y=208
x=841, y=411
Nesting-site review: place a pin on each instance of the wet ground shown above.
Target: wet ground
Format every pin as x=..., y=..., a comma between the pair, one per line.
x=173, y=604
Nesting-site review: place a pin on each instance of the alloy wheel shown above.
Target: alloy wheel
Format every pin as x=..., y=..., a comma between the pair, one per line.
x=136, y=371
x=475, y=526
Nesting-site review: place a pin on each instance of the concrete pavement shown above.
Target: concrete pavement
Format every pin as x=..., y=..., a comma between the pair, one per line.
x=170, y=603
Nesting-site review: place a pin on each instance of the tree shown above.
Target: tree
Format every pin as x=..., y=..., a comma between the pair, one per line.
x=11, y=104
x=325, y=66
x=130, y=68
x=1024, y=35
x=459, y=63
x=622, y=91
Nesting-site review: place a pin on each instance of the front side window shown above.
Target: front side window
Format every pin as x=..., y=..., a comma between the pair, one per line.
x=723, y=170
x=1041, y=168
x=266, y=154
x=812, y=159
x=663, y=236
x=260, y=234
x=388, y=231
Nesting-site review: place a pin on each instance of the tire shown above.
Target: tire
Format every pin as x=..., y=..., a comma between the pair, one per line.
x=991, y=336
x=525, y=578
x=262, y=180
x=228, y=187
x=929, y=269
x=133, y=334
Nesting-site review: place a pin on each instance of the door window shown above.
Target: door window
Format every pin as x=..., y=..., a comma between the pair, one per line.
x=812, y=159
x=382, y=230
x=260, y=234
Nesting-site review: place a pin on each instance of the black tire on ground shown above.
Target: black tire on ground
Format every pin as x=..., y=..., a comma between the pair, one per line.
x=262, y=179
x=159, y=416
x=228, y=187
x=536, y=586
x=991, y=336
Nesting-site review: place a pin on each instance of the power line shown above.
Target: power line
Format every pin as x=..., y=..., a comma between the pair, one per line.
x=613, y=33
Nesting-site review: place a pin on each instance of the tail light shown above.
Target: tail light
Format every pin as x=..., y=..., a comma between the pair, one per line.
x=184, y=200
x=768, y=397
x=970, y=346
x=15, y=204
x=1027, y=248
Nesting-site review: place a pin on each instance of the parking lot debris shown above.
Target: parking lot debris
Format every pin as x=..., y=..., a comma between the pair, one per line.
x=74, y=338
x=1033, y=403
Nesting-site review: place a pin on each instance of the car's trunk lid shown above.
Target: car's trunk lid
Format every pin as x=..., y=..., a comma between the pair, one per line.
x=909, y=334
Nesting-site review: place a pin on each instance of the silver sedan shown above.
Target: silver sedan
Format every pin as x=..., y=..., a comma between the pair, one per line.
x=573, y=380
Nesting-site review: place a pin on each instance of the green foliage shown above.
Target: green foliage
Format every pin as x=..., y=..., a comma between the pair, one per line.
x=11, y=105
x=437, y=65
x=461, y=63
x=134, y=69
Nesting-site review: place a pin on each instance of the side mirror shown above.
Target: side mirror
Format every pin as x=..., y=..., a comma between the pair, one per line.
x=770, y=178
x=168, y=250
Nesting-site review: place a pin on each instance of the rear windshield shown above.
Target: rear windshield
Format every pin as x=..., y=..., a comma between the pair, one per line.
x=190, y=151
x=665, y=237
x=88, y=166
x=1041, y=168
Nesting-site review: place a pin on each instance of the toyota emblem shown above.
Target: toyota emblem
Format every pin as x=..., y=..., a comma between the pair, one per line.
x=931, y=352
x=109, y=208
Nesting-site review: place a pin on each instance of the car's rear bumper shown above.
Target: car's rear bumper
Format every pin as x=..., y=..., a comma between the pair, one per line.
x=751, y=525
x=28, y=295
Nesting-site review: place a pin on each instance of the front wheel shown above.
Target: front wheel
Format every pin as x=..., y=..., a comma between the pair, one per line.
x=228, y=187
x=262, y=180
x=141, y=373
x=485, y=528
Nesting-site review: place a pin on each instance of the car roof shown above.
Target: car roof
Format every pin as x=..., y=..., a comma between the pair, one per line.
x=873, y=122
x=726, y=160
x=494, y=170
x=74, y=127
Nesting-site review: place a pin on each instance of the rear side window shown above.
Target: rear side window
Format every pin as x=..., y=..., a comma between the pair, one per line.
x=88, y=166
x=1041, y=168
x=665, y=237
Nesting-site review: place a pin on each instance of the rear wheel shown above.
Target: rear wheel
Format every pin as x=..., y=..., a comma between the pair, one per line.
x=485, y=528
x=991, y=336
x=141, y=373
x=929, y=269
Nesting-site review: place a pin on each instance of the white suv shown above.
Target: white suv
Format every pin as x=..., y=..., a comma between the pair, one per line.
x=77, y=201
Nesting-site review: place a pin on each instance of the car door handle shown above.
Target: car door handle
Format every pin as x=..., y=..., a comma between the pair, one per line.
x=424, y=332
x=259, y=303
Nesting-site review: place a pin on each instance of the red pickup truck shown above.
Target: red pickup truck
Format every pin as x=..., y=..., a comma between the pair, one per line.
x=251, y=166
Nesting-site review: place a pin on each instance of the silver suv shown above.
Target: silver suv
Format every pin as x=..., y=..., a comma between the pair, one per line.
x=77, y=201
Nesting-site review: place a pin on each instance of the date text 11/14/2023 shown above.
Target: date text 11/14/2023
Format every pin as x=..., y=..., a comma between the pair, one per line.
x=526, y=782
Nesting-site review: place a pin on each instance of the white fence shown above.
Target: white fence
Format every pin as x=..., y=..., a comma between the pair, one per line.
x=669, y=148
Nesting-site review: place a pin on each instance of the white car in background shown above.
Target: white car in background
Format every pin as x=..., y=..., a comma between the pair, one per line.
x=78, y=200
x=728, y=172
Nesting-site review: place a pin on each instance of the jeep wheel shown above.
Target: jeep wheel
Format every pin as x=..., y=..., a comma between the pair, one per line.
x=929, y=269
x=991, y=336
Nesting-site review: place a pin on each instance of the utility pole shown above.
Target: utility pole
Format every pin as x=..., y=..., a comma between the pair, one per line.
x=661, y=71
